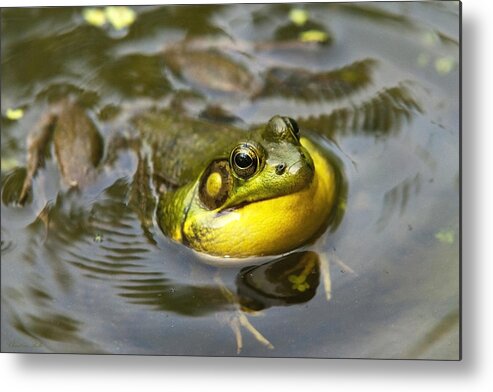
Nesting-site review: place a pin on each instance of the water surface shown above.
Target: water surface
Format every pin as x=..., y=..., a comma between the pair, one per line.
x=79, y=274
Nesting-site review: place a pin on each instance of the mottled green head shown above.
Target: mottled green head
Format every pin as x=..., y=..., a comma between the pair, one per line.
x=254, y=199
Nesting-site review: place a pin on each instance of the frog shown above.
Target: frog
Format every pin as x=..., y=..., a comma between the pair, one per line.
x=253, y=186
x=219, y=189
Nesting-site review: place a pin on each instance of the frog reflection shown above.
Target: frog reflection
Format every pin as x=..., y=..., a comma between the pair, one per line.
x=290, y=280
x=285, y=281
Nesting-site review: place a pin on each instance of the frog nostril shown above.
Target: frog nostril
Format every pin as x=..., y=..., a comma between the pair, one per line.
x=280, y=168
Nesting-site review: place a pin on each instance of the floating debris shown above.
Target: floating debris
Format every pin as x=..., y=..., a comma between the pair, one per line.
x=313, y=36
x=14, y=114
x=95, y=16
x=444, y=65
x=445, y=236
x=120, y=17
x=298, y=16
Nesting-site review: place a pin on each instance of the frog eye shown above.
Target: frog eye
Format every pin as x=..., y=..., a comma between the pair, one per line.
x=294, y=126
x=244, y=160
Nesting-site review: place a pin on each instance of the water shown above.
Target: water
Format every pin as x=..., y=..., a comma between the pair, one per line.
x=79, y=274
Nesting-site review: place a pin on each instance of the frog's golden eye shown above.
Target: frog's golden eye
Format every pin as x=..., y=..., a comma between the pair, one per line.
x=245, y=160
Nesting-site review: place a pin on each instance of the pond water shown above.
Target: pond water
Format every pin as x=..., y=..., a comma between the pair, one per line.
x=79, y=273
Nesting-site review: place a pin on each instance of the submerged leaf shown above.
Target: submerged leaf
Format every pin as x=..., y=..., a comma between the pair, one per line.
x=446, y=236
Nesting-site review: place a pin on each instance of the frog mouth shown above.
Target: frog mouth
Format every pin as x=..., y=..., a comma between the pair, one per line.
x=232, y=208
x=239, y=206
x=302, y=164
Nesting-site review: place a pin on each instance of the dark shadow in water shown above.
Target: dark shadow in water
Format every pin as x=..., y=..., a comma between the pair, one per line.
x=291, y=280
x=195, y=20
x=40, y=58
x=209, y=70
x=307, y=86
x=54, y=331
x=55, y=92
x=136, y=75
x=49, y=327
x=382, y=115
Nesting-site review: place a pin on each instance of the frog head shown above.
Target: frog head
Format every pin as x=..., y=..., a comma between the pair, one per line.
x=270, y=193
